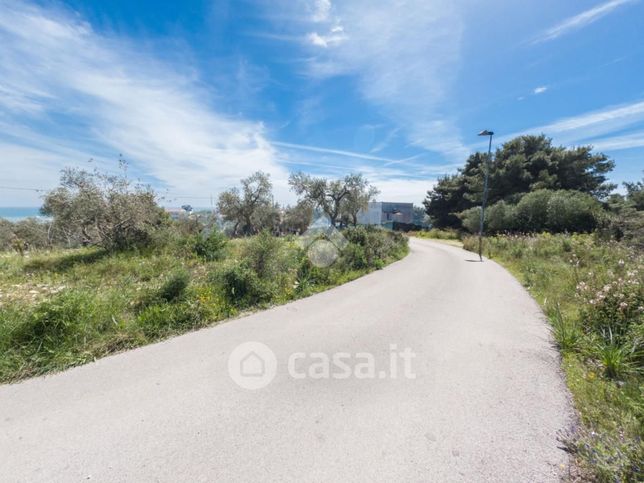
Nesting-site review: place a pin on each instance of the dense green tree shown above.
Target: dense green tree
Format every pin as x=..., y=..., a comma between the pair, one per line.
x=627, y=214
x=521, y=165
x=445, y=201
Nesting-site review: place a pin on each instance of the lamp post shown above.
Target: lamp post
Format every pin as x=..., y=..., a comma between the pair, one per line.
x=485, y=185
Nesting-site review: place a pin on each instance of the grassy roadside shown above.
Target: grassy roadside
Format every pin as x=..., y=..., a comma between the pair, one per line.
x=64, y=308
x=449, y=237
x=592, y=292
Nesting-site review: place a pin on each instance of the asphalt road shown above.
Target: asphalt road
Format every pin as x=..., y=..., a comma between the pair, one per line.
x=486, y=403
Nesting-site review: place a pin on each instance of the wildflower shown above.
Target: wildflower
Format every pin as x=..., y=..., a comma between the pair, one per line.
x=623, y=305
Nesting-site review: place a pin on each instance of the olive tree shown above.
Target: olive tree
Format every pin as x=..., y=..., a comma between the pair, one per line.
x=296, y=219
x=338, y=199
x=110, y=211
x=250, y=209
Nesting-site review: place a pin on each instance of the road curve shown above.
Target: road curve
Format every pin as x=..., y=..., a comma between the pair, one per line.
x=486, y=403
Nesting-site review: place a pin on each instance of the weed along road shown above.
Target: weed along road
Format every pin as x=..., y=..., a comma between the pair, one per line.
x=436, y=368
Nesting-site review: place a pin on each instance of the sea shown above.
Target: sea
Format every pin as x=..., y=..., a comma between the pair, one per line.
x=17, y=213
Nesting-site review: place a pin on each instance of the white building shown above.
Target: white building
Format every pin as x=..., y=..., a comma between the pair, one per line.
x=381, y=212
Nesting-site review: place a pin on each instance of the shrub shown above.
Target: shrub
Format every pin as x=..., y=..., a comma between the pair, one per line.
x=532, y=211
x=375, y=245
x=354, y=256
x=572, y=211
x=263, y=254
x=242, y=287
x=471, y=219
x=501, y=217
x=612, y=302
x=210, y=247
x=174, y=288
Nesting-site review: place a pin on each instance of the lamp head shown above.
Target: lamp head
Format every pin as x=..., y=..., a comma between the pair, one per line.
x=485, y=132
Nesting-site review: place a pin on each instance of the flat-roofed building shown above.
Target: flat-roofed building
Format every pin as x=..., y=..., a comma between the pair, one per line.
x=382, y=212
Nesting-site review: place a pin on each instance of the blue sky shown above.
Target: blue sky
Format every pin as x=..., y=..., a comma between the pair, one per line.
x=198, y=94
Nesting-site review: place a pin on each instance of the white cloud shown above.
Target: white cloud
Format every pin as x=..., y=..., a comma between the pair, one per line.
x=339, y=152
x=540, y=90
x=58, y=74
x=598, y=122
x=405, y=56
x=590, y=125
x=580, y=20
x=618, y=143
x=321, y=10
x=334, y=37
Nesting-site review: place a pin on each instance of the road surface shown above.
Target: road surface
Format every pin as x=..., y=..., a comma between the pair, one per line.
x=486, y=404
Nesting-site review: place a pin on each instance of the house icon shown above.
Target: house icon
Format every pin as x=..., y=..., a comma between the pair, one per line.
x=252, y=365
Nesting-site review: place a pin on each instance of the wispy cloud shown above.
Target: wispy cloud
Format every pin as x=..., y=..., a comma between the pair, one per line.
x=339, y=152
x=580, y=20
x=620, y=142
x=540, y=90
x=321, y=10
x=404, y=56
x=61, y=79
x=602, y=128
x=598, y=122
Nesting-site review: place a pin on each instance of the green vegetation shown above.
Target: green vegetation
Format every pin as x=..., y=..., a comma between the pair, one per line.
x=437, y=234
x=557, y=182
x=593, y=293
x=66, y=307
x=340, y=199
x=109, y=269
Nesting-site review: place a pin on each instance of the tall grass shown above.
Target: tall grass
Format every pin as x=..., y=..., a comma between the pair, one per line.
x=593, y=293
x=68, y=307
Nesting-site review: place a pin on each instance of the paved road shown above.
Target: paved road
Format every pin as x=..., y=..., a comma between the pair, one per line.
x=486, y=403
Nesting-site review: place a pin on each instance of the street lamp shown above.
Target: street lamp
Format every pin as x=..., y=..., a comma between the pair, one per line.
x=485, y=183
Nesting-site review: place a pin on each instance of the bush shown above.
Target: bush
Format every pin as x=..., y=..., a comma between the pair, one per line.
x=263, y=254
x=354, y=256
x=538, y=211
x=210, y=247
x=471, y=219
x=372, y=247
x=532, y=211
x=572, y=211
x=175, y=287
x=242, y=287
x=501, y=217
